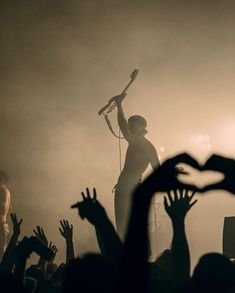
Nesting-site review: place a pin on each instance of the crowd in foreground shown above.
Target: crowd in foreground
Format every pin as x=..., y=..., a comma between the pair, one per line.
x=122, y=265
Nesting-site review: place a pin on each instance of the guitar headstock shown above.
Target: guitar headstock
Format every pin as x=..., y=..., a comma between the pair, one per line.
x=134, y=74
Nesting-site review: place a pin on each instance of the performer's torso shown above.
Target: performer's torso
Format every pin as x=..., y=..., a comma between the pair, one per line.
x=138, y=157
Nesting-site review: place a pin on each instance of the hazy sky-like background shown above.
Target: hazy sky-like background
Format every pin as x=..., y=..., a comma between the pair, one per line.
x=60, y=61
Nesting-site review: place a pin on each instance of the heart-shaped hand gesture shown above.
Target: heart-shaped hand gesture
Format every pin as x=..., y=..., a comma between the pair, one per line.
x=224, y=165
x=165, y=177
x=169, y=177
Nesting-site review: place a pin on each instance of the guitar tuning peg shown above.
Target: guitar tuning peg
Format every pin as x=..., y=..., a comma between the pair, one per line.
x=134, y=73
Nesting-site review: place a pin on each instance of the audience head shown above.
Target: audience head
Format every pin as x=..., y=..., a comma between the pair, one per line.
x=90, y=273
x=37, y=274
x=214, y=273
x=51, y=269
x=10, y=284
x=30, y=285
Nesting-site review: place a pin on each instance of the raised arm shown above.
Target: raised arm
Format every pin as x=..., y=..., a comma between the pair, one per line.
x=23, y=252
x=108, y=240
x=9, y=256
x=66, y=231
x=133, y=270
x=122, y=122
x=40, y=234
x=177, y=204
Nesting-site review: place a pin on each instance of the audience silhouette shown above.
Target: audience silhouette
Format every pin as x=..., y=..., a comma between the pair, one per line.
x=123, y=265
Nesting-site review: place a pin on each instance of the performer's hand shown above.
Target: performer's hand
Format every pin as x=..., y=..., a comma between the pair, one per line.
x=118, y=99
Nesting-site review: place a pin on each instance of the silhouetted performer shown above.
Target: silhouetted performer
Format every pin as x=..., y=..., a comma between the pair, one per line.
x=5, y=198
x=140, y=153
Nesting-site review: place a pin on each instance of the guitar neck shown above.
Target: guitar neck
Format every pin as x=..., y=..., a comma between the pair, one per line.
x=127, y=86
x=101, y=111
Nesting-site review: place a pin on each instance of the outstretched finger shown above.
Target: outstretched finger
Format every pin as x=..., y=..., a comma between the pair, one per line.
x=35, y=232
x=12, y=217
x=186, y=186
x=185, y=192
x=41, y=230
x=88, y=192
x=76, y=205
x=170, y=197
x=62, y=224
x=176, y=194
x=83, y=195
x=94, y=194
x=192, y=195
x=181, y=193
x=61, y=231
x=192, y=203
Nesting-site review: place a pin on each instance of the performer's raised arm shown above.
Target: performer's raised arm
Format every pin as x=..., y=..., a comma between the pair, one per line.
x=122, y=122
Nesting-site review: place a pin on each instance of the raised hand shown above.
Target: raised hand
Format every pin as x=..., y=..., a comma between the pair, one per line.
x=90, y=208
x=54, y=249
x=66, y=230
x=118, y=99
x=178, y=203
x=16, y=224
x=39, y=232
x=163, y=179
x=227, y=167
x=24, y=248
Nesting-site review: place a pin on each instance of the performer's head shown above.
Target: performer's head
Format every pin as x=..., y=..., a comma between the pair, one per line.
x=4, y=178
x=137, y=125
